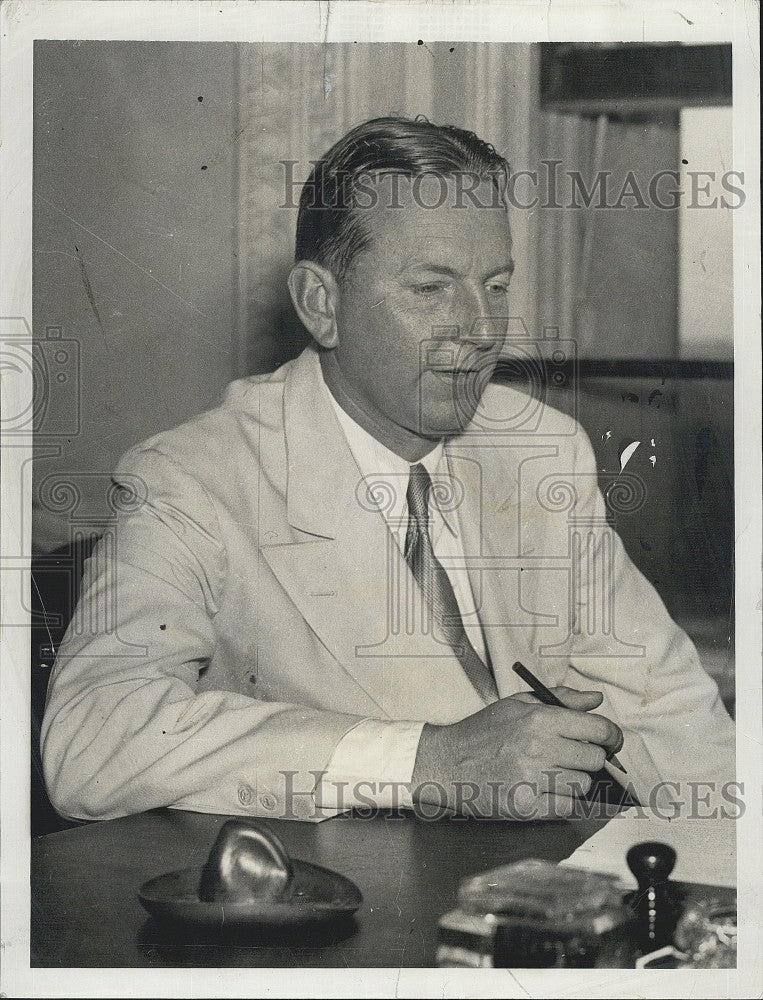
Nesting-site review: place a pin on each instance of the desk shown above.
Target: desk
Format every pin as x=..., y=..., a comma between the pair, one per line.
x=85, y=881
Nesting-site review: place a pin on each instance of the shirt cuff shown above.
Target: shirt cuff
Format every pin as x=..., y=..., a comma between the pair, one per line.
x=372, y=766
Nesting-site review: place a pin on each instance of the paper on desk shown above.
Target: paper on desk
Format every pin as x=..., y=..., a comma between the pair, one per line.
x=705, y=848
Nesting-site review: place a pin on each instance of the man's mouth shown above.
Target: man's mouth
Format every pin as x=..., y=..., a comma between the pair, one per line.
x=456, y=374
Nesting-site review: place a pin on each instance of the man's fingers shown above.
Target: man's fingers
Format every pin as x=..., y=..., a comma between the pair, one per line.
x=581, y=701
x=581, y=756
x=553, y=796
x=588, y=728
x=618, y=746
x=565, y=782
x=526, y=697
x=576, y=721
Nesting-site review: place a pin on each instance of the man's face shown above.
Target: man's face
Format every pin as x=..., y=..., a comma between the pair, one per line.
x=422, y=314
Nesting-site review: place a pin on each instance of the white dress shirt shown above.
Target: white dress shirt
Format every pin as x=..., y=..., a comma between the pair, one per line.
x=376, y=758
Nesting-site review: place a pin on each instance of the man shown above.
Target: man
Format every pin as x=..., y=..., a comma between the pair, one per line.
x=320, y=598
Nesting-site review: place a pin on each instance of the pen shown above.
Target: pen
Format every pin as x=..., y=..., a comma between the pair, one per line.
x=548, y=697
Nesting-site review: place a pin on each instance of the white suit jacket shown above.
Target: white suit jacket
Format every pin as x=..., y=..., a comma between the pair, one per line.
x=247, y=613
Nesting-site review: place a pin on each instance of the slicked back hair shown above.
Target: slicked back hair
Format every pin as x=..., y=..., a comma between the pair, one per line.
x=330, y=228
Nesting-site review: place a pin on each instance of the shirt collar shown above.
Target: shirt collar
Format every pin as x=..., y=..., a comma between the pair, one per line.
x=374, y=459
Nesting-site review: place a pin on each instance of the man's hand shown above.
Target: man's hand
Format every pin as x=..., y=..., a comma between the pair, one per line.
x=516, y=758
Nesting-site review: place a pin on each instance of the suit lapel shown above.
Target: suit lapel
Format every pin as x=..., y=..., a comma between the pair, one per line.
x=345, y=574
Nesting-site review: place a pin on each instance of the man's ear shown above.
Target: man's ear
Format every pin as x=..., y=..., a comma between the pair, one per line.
x=315, y=293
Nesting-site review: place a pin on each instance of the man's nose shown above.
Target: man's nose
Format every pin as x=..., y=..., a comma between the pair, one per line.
x=473, y=321
x=479, y=324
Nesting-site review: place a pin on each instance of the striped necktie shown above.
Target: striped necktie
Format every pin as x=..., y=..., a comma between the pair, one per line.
x=436, y=587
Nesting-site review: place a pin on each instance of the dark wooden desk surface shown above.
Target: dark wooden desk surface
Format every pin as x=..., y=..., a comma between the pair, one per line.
x=85, y=881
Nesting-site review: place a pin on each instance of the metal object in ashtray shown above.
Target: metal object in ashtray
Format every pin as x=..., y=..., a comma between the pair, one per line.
x=250, y=879
x=534, y=914
x=247, y=865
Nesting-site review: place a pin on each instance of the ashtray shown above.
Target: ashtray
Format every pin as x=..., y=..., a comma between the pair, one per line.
x=249, y=879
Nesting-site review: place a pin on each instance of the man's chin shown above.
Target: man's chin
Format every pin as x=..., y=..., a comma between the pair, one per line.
x=448, y=403
x=438, y=425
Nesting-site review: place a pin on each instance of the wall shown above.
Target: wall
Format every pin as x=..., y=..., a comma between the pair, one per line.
x=639, y=286
x=705, y=259
x=610, y=278
x=135, y=243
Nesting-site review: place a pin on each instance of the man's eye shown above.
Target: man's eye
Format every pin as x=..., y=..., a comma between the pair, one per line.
x=431, y=288
x=496, y=289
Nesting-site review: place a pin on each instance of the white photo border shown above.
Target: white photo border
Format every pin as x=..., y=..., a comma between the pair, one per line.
x=736, y=21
